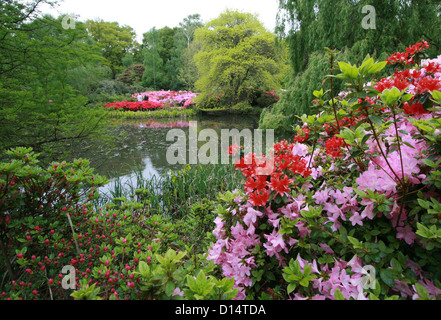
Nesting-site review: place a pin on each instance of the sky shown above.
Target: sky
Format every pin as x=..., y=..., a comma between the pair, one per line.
x=142, y=15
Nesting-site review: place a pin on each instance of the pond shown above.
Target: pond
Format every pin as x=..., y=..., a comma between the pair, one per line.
x=140, y=147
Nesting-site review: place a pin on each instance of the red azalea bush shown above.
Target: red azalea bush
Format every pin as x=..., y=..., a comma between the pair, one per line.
x=134, y=106
x=351, y=209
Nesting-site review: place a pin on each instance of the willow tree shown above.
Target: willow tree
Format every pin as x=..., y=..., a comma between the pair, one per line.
x=237, y=53
x=312, y=25
x=355, y=28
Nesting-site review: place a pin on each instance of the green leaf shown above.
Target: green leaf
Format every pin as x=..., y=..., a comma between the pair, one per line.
x=376, y=119
x=396, y=265
x=422, y=291
x=429, y=163
x=338, y=295
x=377, y=67
x=144, y=269
x=318, y=94
x=436, y=95
x=291, y=287
x=169, y=288
x=387, y=277
x=406, y=97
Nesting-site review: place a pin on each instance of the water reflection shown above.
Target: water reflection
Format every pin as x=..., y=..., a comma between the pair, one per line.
x=141, y=146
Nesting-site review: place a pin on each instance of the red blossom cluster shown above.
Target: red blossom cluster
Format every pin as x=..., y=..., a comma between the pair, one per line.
x=334, y=147
x=302, y=135
x=407, y=58
x=418, y=82
x=134, y=106
x=331, y=128
x=285, y=163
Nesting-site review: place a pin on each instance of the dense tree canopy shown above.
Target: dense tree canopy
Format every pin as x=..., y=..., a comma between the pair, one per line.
x=237, y=53
x=311, y=25
x=114, y=40
x=168, y=57
x=39, y=104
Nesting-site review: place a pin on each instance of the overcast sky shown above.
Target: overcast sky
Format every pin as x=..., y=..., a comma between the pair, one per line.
x=142, y=15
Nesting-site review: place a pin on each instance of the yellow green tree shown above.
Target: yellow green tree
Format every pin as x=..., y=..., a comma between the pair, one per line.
x=237, y=53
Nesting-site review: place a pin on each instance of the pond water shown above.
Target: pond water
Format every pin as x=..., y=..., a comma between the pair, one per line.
x=140, y=147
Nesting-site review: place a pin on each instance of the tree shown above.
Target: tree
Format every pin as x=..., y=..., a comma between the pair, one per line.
x=132, y=75
x=155, y=75
x=115, y=41
x=181, y=68
x=188, y=72
x=189, y=26
x=39, y=108
x=237, y=53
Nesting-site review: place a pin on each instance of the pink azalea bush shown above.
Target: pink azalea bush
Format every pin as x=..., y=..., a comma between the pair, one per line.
x=351, y=209
x=171, y=98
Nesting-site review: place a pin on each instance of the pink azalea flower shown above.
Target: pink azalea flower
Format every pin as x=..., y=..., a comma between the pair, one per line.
x=178, y=292
x=356, y=218
x=406, y=233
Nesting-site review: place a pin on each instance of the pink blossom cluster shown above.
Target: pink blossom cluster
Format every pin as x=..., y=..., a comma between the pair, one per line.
x=171, y=98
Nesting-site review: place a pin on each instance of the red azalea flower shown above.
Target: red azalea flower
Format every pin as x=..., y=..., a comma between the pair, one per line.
x=433, y=67
x=415, y=108
x=259, y=198
x=427, y=84
x=302, y=135
x=333, y=147
x=281, y=186
x=417, y=48
x=398, y=57
x=232, y=150
x=256, y=183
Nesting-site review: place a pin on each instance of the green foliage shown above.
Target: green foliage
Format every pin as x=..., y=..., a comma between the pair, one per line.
x=155, y=75
x=243, y=107
x=132, y=74
x=340, y=25
x=236, y=53
x=297, y=99
x=115, y=41
x=39, y=100
x=156, y=114
x=122, y=250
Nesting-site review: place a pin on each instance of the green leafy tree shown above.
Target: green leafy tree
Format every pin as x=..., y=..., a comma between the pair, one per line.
x=312, y=25
x=39, y=107
x=181, y=68
x=237, y=53
x=115, y=41
x=155, y=75
x=188, y=72
x=189, y=25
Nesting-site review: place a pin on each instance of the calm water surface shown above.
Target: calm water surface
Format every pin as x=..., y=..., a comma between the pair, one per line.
x=141, y=146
